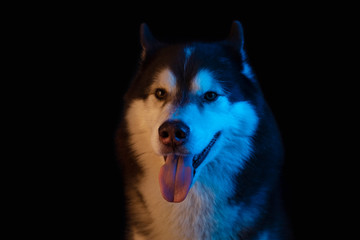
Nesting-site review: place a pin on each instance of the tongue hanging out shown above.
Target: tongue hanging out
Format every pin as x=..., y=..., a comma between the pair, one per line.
x=175, y=177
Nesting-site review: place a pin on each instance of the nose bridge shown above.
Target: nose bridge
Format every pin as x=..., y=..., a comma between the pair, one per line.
x=178, y=117
x=180, y=111
x=185, y=113
x=172, y=112
x=181, y=97
x=176, y=114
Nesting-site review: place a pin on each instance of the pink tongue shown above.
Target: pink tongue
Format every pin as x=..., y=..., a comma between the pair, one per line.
x=175, y=178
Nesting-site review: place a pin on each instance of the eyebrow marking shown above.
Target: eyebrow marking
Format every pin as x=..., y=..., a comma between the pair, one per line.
x=166, y=79
x=203, y=81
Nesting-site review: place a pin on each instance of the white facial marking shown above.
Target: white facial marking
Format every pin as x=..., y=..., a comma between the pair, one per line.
x=204, y=81
x=165, y=79
x=204, y=121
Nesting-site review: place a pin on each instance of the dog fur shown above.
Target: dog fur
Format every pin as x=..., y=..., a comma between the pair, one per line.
x=234, y=193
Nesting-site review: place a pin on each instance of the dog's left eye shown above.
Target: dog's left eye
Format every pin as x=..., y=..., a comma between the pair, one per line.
x=160, y=93
x=210, y=96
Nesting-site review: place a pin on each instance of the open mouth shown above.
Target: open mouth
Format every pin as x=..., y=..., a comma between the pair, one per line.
x=199, y=158
x=176, y=175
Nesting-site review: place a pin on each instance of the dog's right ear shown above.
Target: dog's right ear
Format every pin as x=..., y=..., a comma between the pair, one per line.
x=147, y=40
x=236, y=36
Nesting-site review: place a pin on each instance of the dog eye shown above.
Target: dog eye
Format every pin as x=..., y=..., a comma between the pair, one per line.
x=210, y=96
x=160, y=93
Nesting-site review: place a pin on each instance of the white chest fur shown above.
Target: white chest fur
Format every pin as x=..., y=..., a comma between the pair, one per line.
x=204, y=214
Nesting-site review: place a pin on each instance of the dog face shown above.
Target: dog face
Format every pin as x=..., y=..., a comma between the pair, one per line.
x=187, y=104
x=187, y=126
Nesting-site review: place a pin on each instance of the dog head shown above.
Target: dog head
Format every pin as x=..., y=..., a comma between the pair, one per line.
x=189, y=103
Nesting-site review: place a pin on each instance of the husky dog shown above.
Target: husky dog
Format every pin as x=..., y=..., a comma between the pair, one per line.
x=199, y=148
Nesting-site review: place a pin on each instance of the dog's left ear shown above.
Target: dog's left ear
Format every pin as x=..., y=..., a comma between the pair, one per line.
x=236, y=36
x=147, y=40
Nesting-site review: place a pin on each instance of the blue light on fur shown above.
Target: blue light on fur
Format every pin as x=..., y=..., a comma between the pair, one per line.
x=233, y=156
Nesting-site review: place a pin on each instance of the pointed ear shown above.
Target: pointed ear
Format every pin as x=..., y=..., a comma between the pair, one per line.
x=147, y=40
x=236, y=35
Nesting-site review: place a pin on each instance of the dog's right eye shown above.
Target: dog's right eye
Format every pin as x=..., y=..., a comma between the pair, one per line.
x=210, y=96
x=160, y=93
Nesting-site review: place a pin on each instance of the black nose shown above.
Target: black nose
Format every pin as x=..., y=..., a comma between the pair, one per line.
x=173, y=133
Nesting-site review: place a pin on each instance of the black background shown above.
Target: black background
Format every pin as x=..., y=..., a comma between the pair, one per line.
x=89, y=53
